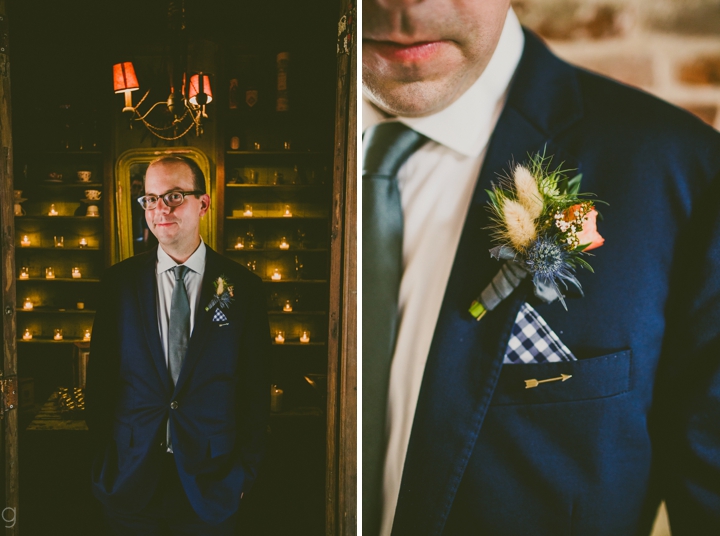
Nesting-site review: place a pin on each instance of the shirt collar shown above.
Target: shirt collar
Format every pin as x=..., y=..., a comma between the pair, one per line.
x=196, y=262
x=465, y=126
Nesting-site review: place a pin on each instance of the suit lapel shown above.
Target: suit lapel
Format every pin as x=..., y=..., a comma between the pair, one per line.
x=147, y=298
x=203, y=318
x=466, y=356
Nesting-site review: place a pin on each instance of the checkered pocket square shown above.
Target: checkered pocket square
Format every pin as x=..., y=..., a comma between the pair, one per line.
x=532, y=341
x=219, y=316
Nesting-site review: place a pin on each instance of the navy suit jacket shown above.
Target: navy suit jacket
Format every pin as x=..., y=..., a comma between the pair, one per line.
x=639, y=421
x=219, y=426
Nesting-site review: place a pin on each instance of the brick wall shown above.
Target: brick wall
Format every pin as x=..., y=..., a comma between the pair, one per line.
x=670, y=48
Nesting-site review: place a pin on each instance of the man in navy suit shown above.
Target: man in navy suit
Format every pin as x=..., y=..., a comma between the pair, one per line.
x=453, y=442
x=178, y=384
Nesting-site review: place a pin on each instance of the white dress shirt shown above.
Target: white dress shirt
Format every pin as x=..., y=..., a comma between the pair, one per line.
x=436, y=185
x=165, y=285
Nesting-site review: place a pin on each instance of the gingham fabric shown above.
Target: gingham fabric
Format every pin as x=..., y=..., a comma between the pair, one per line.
x=218, y=316
x=532, y=341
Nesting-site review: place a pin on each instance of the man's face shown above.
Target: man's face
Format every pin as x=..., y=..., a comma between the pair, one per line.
x=419, y=56
x=174, y=226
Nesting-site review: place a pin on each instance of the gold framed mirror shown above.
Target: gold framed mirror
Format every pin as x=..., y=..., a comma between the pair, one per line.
x=133, y=237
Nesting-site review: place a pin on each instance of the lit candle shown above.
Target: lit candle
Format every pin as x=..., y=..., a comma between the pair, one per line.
x=287, y=307
x=28, y=305
x=287, y=213
x=27, y=335
x=276, y=275
x=83, y=242
x=86, y=335
x=305, y=337
x=25, y=242
x=240, y=244
x=76, y=273
x=248, y=211
x=52, y=212
x=276, y=399
x=284, y=244
x=80, y=305
x=58, y=335
x=59, y=241
x=257, y=146
x=280, y=337
x=49, y=273
x=24, y=273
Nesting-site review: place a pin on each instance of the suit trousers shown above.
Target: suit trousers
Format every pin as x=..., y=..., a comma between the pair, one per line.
x=169, y=512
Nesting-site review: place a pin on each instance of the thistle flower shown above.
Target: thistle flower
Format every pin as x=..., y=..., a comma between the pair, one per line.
x=519, y=223
x=527, y=191
x=547, y=260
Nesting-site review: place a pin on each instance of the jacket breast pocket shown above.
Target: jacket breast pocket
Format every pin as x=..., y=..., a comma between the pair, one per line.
x=585, y=379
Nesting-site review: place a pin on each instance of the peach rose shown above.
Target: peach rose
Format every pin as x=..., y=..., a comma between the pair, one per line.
x=589, y=233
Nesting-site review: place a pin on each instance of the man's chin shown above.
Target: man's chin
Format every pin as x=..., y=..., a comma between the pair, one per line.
x=410, y=99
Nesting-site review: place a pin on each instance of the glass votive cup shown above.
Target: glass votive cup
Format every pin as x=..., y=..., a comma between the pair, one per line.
x=57, y=334
x=280, y=337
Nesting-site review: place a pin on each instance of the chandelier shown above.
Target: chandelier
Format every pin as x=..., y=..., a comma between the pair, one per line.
x=185, y=106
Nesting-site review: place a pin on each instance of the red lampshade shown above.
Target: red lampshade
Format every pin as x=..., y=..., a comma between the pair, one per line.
x=194, y=88
x=124, y=78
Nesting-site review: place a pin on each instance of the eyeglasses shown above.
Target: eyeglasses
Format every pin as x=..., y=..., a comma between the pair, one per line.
x=171, y=199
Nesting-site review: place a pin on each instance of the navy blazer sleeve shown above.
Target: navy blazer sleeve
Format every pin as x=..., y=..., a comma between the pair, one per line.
x=689, y=375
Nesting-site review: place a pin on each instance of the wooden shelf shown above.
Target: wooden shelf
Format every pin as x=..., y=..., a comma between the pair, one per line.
x=278, y=250
x=276, y=186
x=85, y=218
x=62, y=279
x=276, y=153
x=35, y=248
x=58, y=153
x=296, y=343
x=295, y=281
x=56, y=311
x=39, y=184
x=297, y=313
x=255, y=218
x=50, y=340
x=300, y=411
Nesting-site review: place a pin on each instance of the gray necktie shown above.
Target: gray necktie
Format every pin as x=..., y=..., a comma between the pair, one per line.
x=386, y=147
x=179, y=328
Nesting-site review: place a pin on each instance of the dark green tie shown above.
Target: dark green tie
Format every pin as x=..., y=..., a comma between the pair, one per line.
x=179, y=327
x=385, y=148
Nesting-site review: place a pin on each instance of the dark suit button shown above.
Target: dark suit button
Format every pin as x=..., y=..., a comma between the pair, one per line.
x=162, y=445
x=174, y=404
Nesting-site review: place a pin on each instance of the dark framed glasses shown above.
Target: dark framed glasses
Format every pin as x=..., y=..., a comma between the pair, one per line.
x=171, y=199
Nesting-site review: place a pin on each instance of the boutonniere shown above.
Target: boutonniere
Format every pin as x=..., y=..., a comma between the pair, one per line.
x=223, y=294
x=542, y=226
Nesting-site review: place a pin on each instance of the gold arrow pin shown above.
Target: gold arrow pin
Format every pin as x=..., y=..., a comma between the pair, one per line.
x=529, y=384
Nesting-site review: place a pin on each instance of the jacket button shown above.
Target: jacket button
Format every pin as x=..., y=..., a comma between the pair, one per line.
x=174, y=404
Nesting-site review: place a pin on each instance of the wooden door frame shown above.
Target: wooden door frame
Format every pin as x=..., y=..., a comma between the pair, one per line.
x=8, y=374
x=341, y=471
